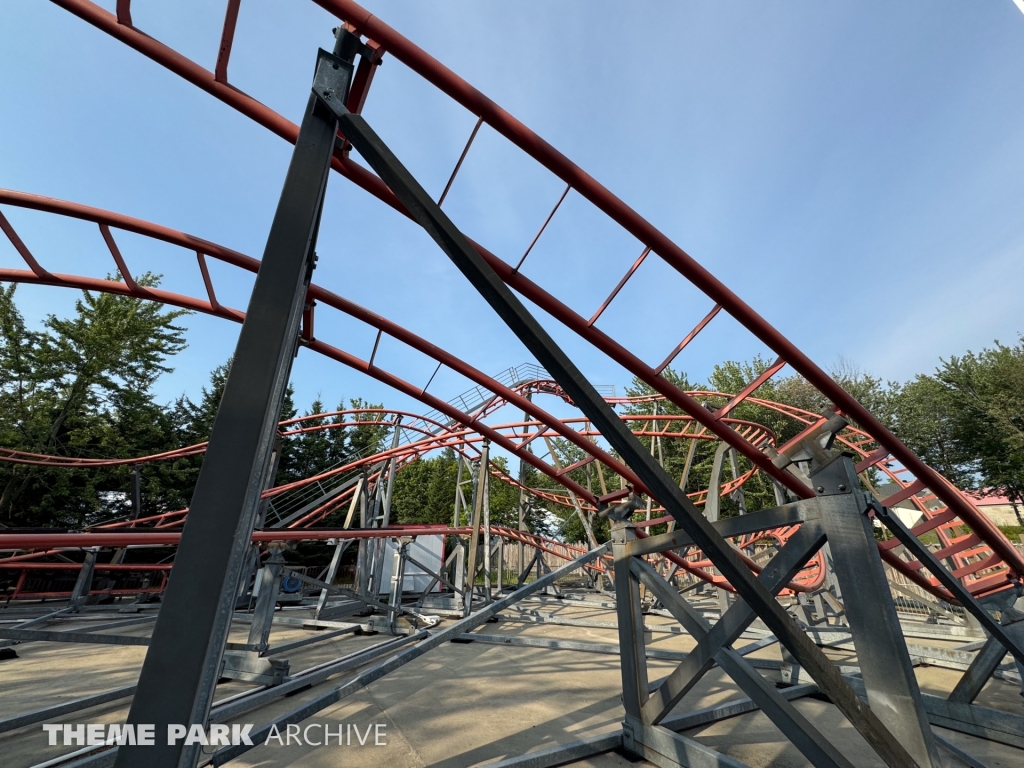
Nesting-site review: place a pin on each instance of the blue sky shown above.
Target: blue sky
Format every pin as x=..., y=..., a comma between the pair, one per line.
x=855, y=171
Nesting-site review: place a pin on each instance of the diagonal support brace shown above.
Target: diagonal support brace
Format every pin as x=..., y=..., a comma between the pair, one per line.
x=548, y=354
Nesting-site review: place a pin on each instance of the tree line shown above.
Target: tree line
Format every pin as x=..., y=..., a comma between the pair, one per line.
x=83, y=387
x=966, y=419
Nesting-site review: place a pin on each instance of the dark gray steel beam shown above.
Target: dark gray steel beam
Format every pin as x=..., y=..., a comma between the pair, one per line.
x=950, y=582
x=563, y=754
x=56, y=616
x=978, y=673
x=888, y=673
x=183, y=663
x=512, y=311
x=797, y=728
x=668, y=749
x=49, y=714
x=536, y=617
x=35, y=635
x=319, y=637
x=525, y=641
x=231, y=709
x=762, y=520
x=612, y=649
x=234, y=706
x=965, y=758
x=699, y=717
x=985, y=723
x=786, y=564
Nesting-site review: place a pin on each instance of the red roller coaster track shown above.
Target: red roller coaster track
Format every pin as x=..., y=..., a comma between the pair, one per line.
x=984, y=559
x=974, y=559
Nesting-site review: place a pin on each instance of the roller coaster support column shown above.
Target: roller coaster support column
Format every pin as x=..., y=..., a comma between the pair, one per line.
x=631, y=624
x=713, y=506
x=739, y=496
x=340, y=546
x=250, y=665
x=457, y=514
x=83, y=583
x=382, y=516
x=364, y=557
x=398, y=580
x=266, y=598
x=183, y=663
x=458, y=572
x=500, y=549
x=119, y=554
x=252, y=562
x=888, y=673
x=474, y=537
x=485, y=526
x=521, y=560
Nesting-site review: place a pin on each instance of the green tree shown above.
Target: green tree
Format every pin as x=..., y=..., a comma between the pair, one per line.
x=168, y=485
x=77, y=388
x=370, y=439
x=967, y=420
x=195, y=420
x=424, y=492
x=318, y=448
x=727, y=379
x=992, y=387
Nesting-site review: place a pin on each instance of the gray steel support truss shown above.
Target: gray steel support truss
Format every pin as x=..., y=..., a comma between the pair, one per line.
x=795, y=726
x=184, y=659
x=83, y=583
x=476, y=523
x=482, y=276
x=888, y=673
x=648, y=738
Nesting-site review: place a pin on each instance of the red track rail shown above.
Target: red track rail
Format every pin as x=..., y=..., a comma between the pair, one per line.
x=967, y=552
x=1002, y=558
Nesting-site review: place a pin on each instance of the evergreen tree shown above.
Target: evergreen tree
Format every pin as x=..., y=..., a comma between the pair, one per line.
x=77, y=388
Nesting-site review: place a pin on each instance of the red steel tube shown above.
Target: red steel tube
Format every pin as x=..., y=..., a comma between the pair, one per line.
x=78, y=566
x=262, y=114
x=504, y=123
x=170, y=538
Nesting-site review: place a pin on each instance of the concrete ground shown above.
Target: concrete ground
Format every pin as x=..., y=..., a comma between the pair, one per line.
x=461, y=704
